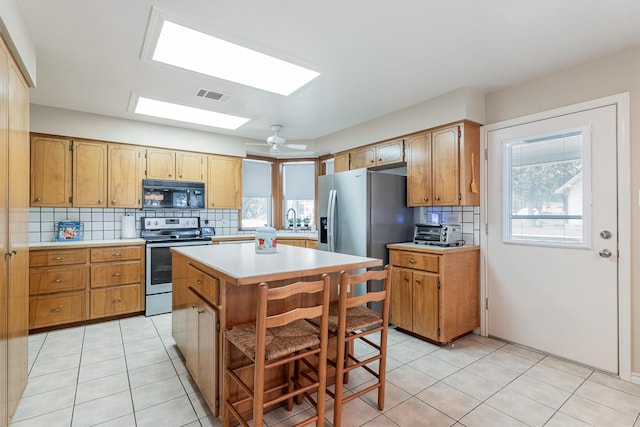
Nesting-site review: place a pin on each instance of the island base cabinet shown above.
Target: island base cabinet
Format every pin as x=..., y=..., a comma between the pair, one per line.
x=434, y=294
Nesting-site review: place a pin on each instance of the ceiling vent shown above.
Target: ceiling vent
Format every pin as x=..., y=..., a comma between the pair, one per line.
x=216, y=96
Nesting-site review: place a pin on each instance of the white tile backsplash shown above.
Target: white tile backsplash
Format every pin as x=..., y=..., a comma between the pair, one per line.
x=105, y=223
x=469, y=219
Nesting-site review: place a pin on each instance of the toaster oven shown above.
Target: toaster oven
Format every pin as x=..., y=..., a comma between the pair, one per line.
x=438, y=235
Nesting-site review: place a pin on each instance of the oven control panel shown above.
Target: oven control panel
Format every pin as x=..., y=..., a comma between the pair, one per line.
x=170, y=223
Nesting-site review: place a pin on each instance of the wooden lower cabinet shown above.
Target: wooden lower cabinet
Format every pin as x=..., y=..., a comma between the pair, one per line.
x=76, y=284
x=303, y=243
x=195, y=325
x=434, y=292
x=115, y=300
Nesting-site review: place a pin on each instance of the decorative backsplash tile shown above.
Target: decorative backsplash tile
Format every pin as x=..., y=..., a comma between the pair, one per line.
x=106, y=223
x=467, y=216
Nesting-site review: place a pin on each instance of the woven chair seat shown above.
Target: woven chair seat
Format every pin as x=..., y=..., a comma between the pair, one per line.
x=281, y=341
x=357, y=318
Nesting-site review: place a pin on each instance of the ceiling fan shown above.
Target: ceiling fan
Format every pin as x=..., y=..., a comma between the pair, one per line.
x=275, y=142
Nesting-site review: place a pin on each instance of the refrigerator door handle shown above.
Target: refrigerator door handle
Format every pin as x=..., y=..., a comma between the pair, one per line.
x=331, y=221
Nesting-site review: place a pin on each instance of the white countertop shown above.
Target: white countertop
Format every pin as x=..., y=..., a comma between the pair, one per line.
x=85, y=243
x=410, y=246
x=241, y=262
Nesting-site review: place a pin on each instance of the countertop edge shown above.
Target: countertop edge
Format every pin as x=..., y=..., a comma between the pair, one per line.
x=410, y=246
x=40, y=246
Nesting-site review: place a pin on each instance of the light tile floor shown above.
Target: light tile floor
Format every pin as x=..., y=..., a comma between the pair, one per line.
x=129, y=373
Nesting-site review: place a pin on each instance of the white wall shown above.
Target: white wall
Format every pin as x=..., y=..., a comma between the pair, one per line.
x=617, y=73
x=14, y=30
x=76, y=124
x=463, y=103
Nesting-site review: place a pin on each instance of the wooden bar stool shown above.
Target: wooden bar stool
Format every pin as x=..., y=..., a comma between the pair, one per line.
x=282, y=339
x=350, y=320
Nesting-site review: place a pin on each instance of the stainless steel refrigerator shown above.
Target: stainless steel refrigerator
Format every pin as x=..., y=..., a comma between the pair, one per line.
x=361, y=211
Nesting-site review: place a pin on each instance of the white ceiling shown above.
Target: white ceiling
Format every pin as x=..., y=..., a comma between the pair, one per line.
x=374, y=56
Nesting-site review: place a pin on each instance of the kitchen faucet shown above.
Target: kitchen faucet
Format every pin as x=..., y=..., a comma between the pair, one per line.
x=295, y=219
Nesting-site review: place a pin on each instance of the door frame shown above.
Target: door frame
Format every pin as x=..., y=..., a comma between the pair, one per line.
x=622, y=102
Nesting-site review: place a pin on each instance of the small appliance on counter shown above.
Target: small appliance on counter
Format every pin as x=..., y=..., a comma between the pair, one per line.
x=438, y=235
x=266, y=240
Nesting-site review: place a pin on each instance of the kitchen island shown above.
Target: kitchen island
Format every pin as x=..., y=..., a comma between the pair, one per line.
x=215, y=288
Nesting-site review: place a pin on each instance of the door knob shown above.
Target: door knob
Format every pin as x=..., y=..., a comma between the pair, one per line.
x=605, y=253
x=605, y=234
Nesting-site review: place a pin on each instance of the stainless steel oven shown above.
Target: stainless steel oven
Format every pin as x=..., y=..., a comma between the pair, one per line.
x=161, y=235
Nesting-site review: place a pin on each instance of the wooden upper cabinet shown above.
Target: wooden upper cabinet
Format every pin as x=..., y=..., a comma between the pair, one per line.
x=124, y=176
x=363, y=158
x=389, y=152
x=50, y=171
x=341, y=162
x=445, y=179
x=419, y=170
x=161, y=163
x=442, y=164
x=224, y=182
x=190, y=166
x=90, y=174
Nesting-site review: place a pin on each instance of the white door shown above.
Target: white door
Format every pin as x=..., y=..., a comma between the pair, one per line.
x=552, y=243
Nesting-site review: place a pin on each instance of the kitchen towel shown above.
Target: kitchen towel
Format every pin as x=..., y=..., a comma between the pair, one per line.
x=128, y=227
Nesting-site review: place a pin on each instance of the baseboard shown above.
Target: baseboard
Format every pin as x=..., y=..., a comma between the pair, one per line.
x=635, y=378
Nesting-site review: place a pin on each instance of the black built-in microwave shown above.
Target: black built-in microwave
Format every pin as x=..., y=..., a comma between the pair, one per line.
x=163, y=194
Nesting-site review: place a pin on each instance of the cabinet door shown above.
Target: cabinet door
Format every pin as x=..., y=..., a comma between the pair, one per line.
x=390, y=152
x=419, y=170
x=470, y=164
x=445, y=167
x=124, y=176
x=224, y=183
x=190, y=166
x=190, y=350
x=89, y=174
x=425, y=304
x=161, y=164
x=341, y=162
x=362, y=158
x=207, y=351
x=402, y=298
x=50, y=171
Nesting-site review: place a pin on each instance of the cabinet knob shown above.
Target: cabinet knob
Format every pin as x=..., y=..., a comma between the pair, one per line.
x=426, y=199
x=169, y=175
x=437, y=198
x=116, y=301
x=113, y=201
x=200, y=311
x=418, y=281
x=56, y=310
x=38, y=199
x=100, y=201
x=195, y=307
x=180, y=175
x=198, y=281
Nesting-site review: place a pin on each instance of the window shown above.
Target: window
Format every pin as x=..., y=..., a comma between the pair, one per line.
x=256, y=193
x=298, y=183
x=547, y=189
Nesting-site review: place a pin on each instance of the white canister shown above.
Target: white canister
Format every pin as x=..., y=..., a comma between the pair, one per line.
x=265, y=240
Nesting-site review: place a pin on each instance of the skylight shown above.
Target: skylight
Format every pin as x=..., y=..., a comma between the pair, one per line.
x=182, y=113
x=190, y=49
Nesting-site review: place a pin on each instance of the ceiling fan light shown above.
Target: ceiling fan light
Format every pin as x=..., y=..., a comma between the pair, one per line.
x=275, y=140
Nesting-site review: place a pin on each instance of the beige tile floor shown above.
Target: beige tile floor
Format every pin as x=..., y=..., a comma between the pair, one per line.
x=129, y=373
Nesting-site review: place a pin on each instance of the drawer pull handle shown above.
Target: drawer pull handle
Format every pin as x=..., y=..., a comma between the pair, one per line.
x=412, y=261
x=58, y=258
x=116, y=274
x=117, y=254
x=200, y=311
x=195, y=307
x=115, y=301
x=56, y=310
x=56, y=281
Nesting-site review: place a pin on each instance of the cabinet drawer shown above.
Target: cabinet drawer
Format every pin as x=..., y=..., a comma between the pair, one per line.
x=203, y=283
x=118, y=300
x=116, y=273
x=414, y=260
x=57, y=310
x=120, y=253
x=57, y=257
x=57, y=279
